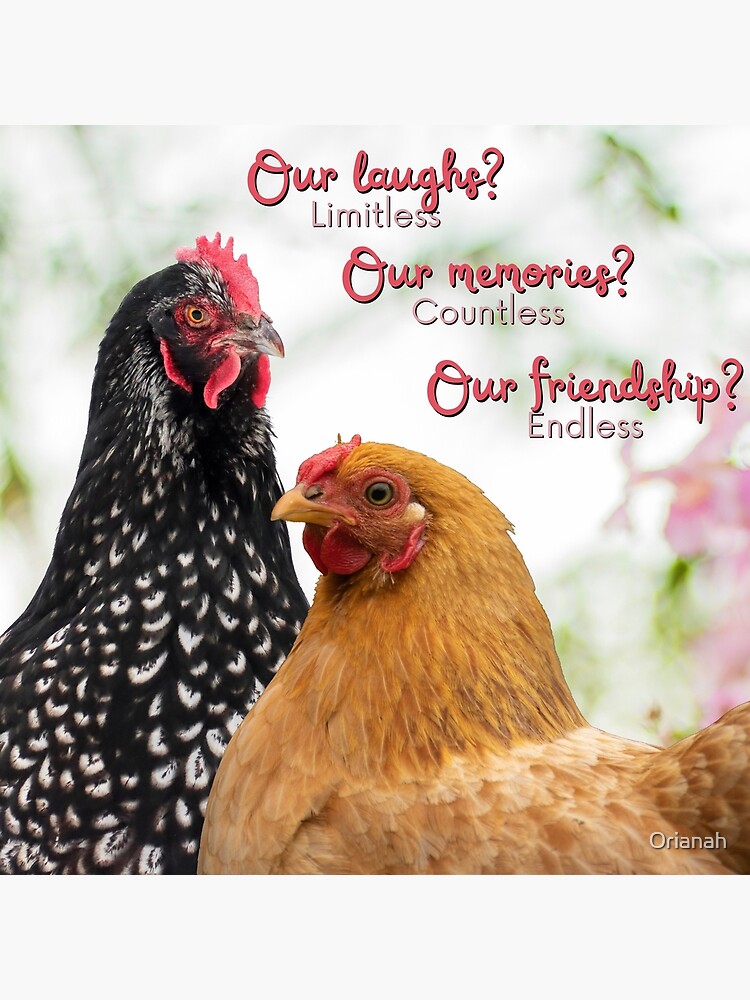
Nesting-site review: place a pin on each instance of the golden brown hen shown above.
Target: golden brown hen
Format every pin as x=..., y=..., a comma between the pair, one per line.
x=422, y=723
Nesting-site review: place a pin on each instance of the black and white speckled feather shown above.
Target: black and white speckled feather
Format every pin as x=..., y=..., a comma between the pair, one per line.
x=169, y=602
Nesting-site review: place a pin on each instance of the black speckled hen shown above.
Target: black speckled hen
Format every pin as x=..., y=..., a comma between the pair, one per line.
x=170, y=599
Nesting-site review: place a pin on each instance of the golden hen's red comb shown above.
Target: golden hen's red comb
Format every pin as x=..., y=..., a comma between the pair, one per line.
x=326, y=461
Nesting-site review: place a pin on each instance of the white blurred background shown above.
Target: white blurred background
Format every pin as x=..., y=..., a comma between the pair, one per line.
x=86, y=212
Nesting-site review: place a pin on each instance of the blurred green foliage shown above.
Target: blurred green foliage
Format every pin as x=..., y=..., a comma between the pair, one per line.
x=621, y=167
x=15, y=484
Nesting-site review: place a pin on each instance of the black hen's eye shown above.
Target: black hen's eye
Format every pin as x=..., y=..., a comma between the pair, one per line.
x=196, y=316
x=379, y=494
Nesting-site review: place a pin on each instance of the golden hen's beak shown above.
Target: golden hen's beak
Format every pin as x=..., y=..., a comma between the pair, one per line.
x=295, y=506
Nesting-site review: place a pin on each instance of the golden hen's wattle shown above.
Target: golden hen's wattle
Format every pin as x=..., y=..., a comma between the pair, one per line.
x=422, y=724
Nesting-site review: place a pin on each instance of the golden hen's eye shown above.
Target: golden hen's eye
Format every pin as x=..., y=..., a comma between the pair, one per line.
x=196, y=316
x=379, y=494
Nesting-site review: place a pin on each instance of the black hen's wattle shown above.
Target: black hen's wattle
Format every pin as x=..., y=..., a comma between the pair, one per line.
x=170, y=601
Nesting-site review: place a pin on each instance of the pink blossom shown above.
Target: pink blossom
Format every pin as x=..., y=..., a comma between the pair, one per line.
x=710, y=509
x=709, y=521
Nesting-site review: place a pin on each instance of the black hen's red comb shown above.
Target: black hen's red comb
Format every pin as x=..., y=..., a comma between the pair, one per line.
x=326, y=461
x=239, y=279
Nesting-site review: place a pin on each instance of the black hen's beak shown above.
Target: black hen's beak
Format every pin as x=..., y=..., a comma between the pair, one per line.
x=254, y=337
